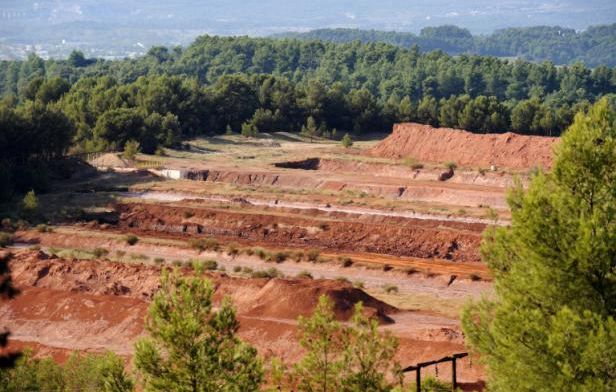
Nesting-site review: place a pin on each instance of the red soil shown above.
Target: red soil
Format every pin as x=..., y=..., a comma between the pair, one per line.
x=97, y=305
x=276, y=298
x=437, y=145
x=386, y=235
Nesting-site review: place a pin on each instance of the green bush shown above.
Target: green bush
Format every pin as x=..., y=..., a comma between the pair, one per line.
x=30, y=202
x=270, y=273
x=233, y=249
x=347, y=141
x=6, y=239
x=159, y=260
x=43, y=228
x=100, y=252
x=131, y=239
x=451, y=165
x=313, y=255
x=279, y=257
x=131, y=149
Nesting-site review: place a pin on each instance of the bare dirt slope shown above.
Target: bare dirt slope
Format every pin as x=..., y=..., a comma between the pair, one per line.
x=437, y=145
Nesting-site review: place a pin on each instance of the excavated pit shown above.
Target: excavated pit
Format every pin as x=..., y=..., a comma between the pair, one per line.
x=305, y=164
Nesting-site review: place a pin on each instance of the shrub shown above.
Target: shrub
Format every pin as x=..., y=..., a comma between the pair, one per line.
x=233, y=249
x=247, y=270
x=177, y=263
x=483, y=171
x=210, y=265
x=261, y=253
x=412, y=163
x=411, y=270
x=131, y=149
x=451, y=165
x=249, y=251
x=237, y=269
x=120, y=253
x=390, y=289
x=203, y=244
x=43, y=228
x=279, y=257
x=6, y=239
x=7, y=224
x=159, y=260
x=347, y=141
x=100, y=252
x=139, y=256
x=132, y=239
x=304, y=275
x=298, y=256
x=342, y=279
x=346, y=261
x=358, y=284
x=188, y=214
x=475, y=277
x=270, y=273
x=313, y=255
x=387, y=267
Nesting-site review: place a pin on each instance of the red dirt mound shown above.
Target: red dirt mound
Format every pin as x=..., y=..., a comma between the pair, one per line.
x=437, y=145
x=293, y=298
x=277, y=298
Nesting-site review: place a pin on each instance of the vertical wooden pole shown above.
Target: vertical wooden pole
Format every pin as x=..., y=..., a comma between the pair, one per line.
x=418, y=380
x=454, y=381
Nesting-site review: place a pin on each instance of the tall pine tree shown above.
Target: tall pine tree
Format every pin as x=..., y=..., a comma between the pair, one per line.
x=551, y=325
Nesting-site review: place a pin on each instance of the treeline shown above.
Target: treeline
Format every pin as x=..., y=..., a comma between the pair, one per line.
x=221, y=85
x=594, y=46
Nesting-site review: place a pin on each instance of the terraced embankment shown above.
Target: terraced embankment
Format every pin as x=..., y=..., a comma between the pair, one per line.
x=456, y=241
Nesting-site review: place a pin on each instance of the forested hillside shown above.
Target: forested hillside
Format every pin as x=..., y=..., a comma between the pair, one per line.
x=594, y=46
x=230, y=84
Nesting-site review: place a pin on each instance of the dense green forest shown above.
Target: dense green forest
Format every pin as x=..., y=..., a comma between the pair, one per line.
x=221, y=84
x=594, y=46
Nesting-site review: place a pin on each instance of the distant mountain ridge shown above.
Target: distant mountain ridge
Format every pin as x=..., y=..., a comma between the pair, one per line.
x=593, y=46
x=119, y=28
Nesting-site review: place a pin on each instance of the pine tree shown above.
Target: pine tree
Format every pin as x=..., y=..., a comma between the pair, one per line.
x=353, y=358
x=369, y=355
x=551, y=325
x=347, y=141
x=190, y=346
x=30, y=202
x=324, y=340
x=310, y=130
x=131, y=149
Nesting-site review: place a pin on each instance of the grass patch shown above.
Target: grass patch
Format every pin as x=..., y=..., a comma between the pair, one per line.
x=390, y=289
x=304, y=275
x=269, y=273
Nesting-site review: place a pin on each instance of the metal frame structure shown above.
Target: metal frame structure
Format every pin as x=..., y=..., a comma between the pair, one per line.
x=417, y=368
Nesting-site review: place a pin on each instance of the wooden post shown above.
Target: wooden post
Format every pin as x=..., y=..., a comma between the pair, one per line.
x=418, y=380
x=454, y=381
